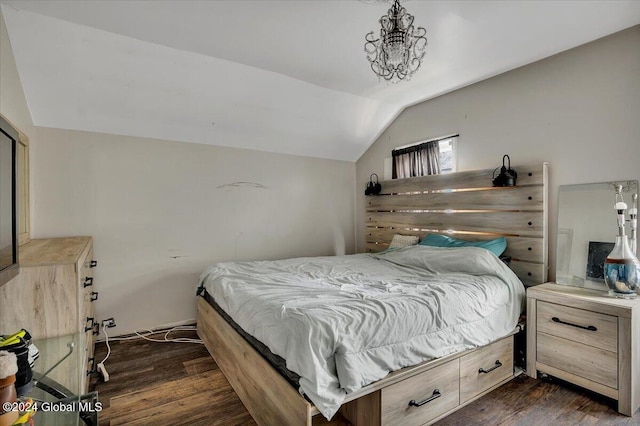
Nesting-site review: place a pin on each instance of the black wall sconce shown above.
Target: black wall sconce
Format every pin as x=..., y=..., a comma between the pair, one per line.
x=373, y=188
x=507, y=176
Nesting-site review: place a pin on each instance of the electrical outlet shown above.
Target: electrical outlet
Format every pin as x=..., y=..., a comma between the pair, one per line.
x=103, y=372
x=108, y=323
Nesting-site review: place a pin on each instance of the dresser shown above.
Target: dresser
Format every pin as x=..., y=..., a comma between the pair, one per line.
x=54, y=295
x=586, y=338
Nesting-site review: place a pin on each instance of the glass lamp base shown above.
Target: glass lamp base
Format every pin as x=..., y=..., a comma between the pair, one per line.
x=622, y=295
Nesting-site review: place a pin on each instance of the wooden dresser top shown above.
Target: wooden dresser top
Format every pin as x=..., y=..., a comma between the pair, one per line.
x=53, y=251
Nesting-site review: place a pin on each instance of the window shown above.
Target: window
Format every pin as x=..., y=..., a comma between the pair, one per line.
x=448, y=154
x=435, y=156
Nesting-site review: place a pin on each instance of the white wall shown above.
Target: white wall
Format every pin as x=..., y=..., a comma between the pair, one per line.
x=578, y=110
x=158, y=216
x=13, y=104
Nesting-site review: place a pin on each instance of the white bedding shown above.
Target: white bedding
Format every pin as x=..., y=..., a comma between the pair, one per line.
x=343, y=322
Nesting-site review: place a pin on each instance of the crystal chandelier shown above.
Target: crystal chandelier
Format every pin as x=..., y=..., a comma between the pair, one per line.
x=396, y=55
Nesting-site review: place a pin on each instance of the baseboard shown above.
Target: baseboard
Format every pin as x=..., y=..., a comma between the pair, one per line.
x=163, y=327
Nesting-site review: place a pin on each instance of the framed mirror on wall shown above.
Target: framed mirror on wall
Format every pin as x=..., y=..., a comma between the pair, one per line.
x=587, y=230
x=24, y=223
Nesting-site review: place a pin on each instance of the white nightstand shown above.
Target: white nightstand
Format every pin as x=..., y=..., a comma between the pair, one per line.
x=586, y=338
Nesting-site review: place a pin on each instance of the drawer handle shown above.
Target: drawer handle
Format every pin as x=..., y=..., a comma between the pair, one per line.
x=498, y=364
x=94, y=296
x=91, y=361
x=559, y=321
x=89, y=321
x=436, y=394
x=93, y=264
x=88, y=281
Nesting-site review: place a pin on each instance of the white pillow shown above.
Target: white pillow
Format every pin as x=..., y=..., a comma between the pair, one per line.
x=400, y=241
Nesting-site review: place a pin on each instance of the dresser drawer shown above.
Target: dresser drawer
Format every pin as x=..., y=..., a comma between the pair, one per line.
x=485, y=367
x=585, y=361
x=440, y=385
x=586, y=327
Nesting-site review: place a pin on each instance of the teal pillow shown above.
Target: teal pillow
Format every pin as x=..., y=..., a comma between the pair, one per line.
x=497, y=246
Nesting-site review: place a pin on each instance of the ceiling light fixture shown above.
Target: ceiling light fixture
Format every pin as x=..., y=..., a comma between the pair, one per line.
x=397, y=54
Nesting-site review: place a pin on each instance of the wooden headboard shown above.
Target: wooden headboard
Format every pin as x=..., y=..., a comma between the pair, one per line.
x=466, y=206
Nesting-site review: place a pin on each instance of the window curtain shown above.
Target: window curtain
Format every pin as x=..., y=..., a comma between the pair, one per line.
x=417, y=160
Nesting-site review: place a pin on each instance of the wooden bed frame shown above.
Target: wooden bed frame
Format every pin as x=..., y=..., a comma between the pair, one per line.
x=461, y=204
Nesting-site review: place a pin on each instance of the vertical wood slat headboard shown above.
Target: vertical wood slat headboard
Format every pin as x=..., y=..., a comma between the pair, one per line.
x=466, y=206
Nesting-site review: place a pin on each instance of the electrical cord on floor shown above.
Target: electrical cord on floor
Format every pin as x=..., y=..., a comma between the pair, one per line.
x=106, y=340
x=103, y=370
x=165, y=339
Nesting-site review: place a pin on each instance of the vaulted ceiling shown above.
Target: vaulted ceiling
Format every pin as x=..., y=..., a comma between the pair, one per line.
x=278, y=76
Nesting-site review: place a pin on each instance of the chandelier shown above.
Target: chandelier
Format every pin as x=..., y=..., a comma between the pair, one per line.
x=396, y=55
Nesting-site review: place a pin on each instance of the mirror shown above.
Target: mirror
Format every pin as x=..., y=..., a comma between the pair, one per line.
x=587, y=231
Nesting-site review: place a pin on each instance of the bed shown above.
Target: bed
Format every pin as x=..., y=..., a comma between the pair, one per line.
x=352, y=328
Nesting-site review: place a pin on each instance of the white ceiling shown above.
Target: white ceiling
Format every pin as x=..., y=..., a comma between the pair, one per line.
x=279, y=76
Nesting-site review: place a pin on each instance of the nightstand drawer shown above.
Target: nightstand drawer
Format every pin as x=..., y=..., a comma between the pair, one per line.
x=485, y=367
x=586, y=327
x=585, y=361
x=436, y=391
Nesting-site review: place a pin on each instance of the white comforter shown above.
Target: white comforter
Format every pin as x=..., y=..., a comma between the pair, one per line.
x=344, y=322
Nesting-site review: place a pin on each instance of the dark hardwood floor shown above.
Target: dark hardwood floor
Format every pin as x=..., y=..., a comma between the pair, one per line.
x=179, y=384
x=165, y=384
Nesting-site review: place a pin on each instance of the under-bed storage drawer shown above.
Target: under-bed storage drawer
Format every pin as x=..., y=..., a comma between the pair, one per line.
x=485, y=368
x=423, y=397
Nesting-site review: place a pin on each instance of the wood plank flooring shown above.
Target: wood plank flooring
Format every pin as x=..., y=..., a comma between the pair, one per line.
x=179, y=384
x=165, y=384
